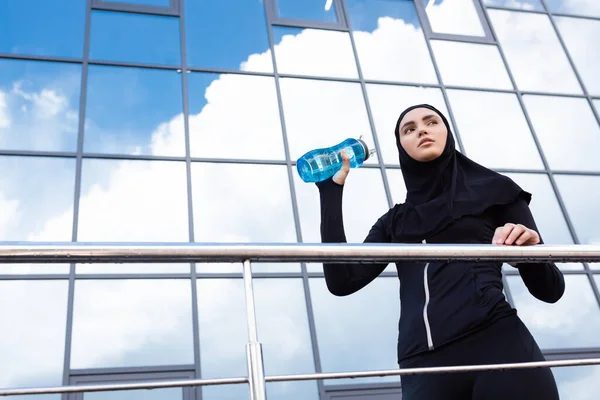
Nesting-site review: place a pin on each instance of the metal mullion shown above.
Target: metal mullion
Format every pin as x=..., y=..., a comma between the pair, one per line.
x=224, y=71
x=270, y=14
x=77, y=193
x=238, y=161
x=126, y=64
x=135, y=8
x=149, y=369
x=306, y=24
x=25, y=57
x=460, y=38
x=36, y=153
x=594, y=112
x=194, y=392
x=132, y=276
x=33, y=277
x=581, y=271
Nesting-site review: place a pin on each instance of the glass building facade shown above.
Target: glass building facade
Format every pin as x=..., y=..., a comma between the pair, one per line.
x=181, y=120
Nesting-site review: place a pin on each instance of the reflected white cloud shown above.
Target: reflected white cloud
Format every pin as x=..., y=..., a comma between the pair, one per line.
x=572, y=322
x=32, y=339
x=132, y=323
x=494, y=130
x=456, y=17
x=519, y=4
x=577, y=34
x=533, y=52
x=577, y=7
x=581, y=195
x=578, y=383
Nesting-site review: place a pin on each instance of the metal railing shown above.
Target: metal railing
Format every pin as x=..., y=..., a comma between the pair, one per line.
x=287, y=253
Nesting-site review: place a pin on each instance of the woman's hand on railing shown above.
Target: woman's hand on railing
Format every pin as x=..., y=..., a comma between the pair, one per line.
x=515, y=234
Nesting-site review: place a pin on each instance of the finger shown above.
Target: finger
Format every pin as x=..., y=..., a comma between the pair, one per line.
x=497, y=236
x=515, y=233
x=524, y=238
x=502, y=233
x=345, y=161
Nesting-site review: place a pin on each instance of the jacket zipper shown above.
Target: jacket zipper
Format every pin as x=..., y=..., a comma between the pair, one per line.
x=425, y=316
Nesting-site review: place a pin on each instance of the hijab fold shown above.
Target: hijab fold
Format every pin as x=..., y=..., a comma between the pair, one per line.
x=445, y=189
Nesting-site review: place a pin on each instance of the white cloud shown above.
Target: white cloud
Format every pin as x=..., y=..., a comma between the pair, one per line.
x=5, y=121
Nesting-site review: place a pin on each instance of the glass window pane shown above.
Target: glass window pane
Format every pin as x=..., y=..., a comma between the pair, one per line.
x=578, y=34
x=519, y=4
x=314, y=52
x=363, y=203
x=212, y=26
x=242, y=203
x=572, y=322
x=234, y=116
x=156, y=3
x=32, y=339
x=141, y=394
x=312, y=10
x=312, y=121
x=581, y=195
x=458, y=17
x=577, y=383
x=387, y=102
x=133, y=201
x=39, y=105
x=597, y=106
x=136, y=38
x=533, y=52
x=282, y=329
x=123, y=323
x=494, y=132
x=134, y=111
x=42, y=28
x=567, y=130
x=23, y=182
x=468, y=64
x=387, y=33
x=397, y=186
x=581, y=7
x=346, y=327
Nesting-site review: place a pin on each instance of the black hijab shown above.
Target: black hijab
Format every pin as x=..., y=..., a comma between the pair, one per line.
x=445, y=189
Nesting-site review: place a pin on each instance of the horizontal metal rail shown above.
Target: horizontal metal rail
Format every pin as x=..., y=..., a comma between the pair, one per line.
x=286, y=252
x=283, y=378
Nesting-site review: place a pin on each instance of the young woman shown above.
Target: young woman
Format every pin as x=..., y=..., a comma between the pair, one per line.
x=453, y=313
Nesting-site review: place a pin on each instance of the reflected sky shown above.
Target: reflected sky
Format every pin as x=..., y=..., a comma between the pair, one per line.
x=155, y=394
x=457, y=17
x=221, y=36
x=577, y=34
x=314, y=52
x=58, y=32
x=132, y=323
x=468, y=64
x=389, y=41
x=115, y=94
x=518, y=4
x=32, y=339
x=150, y=39
x=494, y=132
x=311, y=10
x=572, y=322
x=578, y=7
x=226, y=122
x=374, y=312
x=533, y=52
x=565, y=126
x=577, y=383
x=581, y=195
x=39, y=105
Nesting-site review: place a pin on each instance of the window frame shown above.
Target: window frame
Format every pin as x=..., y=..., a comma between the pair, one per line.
x=431, y=35
x=130, y=375
x=273, y=18
x=174, y=8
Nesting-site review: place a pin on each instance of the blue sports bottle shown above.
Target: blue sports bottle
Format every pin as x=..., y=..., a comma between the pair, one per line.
x=320, y=164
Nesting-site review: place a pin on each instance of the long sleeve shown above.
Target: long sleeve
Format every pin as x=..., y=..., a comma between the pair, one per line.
x=347, y=278
x=543, y=279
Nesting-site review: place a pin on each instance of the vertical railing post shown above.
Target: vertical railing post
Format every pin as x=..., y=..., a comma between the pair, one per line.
x=256, y=373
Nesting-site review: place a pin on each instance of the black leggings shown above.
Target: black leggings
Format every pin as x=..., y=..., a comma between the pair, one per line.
x=506, y=341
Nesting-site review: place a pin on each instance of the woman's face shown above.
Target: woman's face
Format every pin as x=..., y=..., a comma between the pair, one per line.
x=423, y=134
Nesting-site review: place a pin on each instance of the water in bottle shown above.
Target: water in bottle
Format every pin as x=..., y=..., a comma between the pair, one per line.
x=320, y=164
